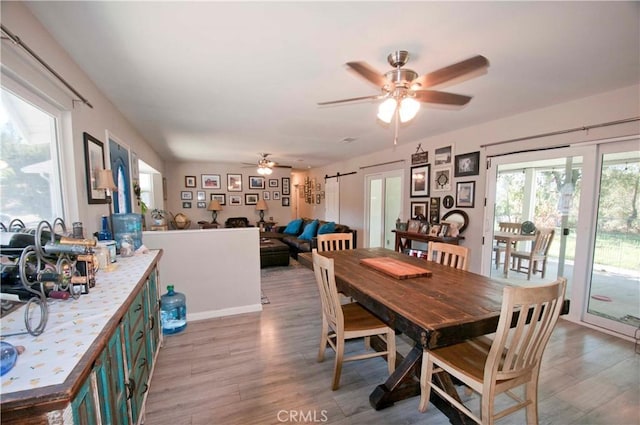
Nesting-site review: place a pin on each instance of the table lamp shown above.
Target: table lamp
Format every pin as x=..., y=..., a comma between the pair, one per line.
x=104, y=181
x=214, y=207
x=261, y=206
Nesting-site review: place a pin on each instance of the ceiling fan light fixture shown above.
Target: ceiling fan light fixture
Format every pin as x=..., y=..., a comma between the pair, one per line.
x=409, y=107
x=387, y=109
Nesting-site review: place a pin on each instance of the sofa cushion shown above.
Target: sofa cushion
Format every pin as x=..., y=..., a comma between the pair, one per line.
x=329, y=227
x=293, y=228
x=310, y=231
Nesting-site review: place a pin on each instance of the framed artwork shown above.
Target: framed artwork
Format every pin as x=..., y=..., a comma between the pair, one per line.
x=202, y=204
x=442, y=179
x=266, y=195
x=467, y=164
x=434, y=210
x=444, y=156
x=189, y=181
x=211, y=181
x=276, y=195
x=285, y=201
x=234, y=183
x=220, y=197
x=235, y=200
x=201, y=195
x=419, y=210
x=444, y=229
x=434, y=230
x=424, y=228
x=94, y=161
x=256, y=182
x=186, y=204
x=465, y=194
x=186, y=195
x=413, y=226
x=135, y=169
x=273, y=182
x=420, y=181
x=286, y=186
x=250, y=198
x=448, y=202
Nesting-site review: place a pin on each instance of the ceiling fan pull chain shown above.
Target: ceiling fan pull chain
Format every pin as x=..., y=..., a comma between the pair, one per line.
x=395, y=137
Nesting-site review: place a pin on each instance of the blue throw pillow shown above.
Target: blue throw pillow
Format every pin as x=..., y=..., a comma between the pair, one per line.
x=293, y=228
x=309, y=231
x=327, y=228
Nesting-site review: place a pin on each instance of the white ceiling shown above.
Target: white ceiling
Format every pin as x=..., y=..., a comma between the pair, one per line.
x=223, y=81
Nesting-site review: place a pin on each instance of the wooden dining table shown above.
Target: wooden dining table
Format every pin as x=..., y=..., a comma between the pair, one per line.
x=509, y=239
x=445, y=308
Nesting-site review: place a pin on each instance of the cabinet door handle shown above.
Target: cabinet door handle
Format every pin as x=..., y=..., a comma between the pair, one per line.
x=143, y=362
x=152, y=322
x=146, y=388
x=140, y=335
x=138, y=307
x=131, y=387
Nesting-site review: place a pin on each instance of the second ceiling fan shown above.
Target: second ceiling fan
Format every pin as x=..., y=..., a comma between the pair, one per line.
x=403, y=89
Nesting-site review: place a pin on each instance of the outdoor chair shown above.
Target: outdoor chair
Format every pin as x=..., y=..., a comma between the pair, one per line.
x=341, y=322
x=535, y=257
x=512, y=359
x=499, y=247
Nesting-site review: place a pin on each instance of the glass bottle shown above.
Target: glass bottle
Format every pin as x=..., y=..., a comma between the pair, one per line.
x=105, y=233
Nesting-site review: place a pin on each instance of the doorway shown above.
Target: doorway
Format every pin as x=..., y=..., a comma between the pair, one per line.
x=383, y=206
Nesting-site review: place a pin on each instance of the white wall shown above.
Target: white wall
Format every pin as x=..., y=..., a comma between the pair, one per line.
x=80, y=118
x=218, y=270
x=610, y=106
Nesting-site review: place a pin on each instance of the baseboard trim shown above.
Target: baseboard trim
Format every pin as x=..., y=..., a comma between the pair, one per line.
x=203, y=315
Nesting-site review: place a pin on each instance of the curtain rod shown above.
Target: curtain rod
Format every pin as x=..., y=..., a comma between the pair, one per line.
x=16, y=40
x=338, y=175
x=571, y=130
x=382, y=163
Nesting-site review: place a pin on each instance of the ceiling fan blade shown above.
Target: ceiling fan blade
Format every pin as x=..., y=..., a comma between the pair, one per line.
x=369, y=73
x=450, y=72
x=433, y=96
x=353, y=99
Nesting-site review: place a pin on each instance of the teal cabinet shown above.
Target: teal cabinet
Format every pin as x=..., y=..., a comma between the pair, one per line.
x=109, y=370
x=84, y=405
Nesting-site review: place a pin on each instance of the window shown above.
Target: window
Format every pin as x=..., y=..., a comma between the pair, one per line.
x=30, y=185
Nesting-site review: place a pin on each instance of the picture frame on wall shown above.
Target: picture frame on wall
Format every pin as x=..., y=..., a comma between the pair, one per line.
x=251, y=198
x=285, y=201
x=234, y=183
x=256, y=183
x=443, y=156
x=211, y=181
x=420, y=183
x=442, y=179
x=276, y=195
x=220, y=197
x=93, y=161
x=266, y=195
x=235, y=200
x=273, y=182
x=201, y=195
x=286, y=186
x=202, y=204
x=467, y=164
x=186, y=204
x=186, y=195
x=434, y=210
x=419, y=210
x=189, y=181
x=465, y=194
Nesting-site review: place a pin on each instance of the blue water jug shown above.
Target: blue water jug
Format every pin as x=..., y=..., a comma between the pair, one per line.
x=173, y=311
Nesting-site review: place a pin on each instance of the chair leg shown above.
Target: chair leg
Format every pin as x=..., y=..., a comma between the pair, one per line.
x=391, y=348
x=544, y=266
x=531, y=265
x=531, y=393
x=426, y=375
x=323, y=338
x=367, y=343
x=337, y=365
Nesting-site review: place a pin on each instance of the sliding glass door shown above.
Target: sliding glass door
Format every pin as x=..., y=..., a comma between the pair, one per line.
x=383, y=206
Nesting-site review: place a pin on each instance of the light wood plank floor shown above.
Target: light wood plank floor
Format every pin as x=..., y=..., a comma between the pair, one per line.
x=260, y=368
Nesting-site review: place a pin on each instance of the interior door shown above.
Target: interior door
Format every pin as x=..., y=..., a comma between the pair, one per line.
x=383, y=206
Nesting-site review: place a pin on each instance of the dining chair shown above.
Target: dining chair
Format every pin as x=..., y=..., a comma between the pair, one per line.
x=511, y=359
x=499, y=247
x=341, y=322
x=335, y=241
x=538, y=254
x=455, y=256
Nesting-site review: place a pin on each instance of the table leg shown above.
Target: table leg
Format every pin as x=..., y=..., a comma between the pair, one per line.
x=507, y=258
x=404, y=382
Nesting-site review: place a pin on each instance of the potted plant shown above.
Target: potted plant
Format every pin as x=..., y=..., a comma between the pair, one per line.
x=158, y=216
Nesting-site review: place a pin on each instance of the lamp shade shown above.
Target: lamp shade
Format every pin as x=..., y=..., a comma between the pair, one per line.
x=104, y=180
x=261, y=205
x=214, y=206
x=386, y=110
x=409, y=107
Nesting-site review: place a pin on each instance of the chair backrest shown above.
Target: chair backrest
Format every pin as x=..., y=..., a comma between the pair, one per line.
x=326, y=280
x=335, y=241
x=516, y=351
x=544, y=237
x=510, y=227
x=455, y=256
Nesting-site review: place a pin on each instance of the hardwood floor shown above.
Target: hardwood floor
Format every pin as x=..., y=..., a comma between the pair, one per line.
x=260, y=368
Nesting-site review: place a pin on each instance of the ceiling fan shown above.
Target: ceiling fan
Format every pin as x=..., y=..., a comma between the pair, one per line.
x=265, y=166
x=403, y=90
